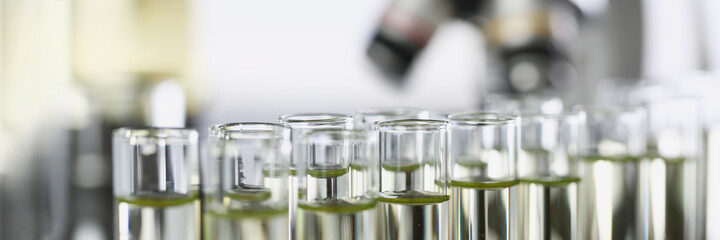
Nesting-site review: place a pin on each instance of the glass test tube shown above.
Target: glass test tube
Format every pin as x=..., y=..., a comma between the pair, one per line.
x=482, y=175
x=548, y=174
x=152, y=177
x=246, y=193
x=364, y=120
x=300, y=125
x=670, y=168
x=412, y=198
x=331, y=208
x=613, y=142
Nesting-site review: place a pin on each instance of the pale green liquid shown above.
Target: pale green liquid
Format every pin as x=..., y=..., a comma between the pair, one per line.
x=482, y=209
x=250, y=212
x=157, y=217
x=259, y=223
x=610, y=196
x=360, y=179
x=672, y=191
x=709, y=214
x=408, y=175
x=332, y=209
x=293, y=196
x=548, y=203
x=548, y=208
x=418, y=217
x=411, y=214
x=337, y=220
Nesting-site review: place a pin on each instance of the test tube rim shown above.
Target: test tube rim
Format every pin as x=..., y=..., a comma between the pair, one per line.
x=357, y=134
x=315, y=118
x=473, y=118
x=354, y=136
x=392, y=111
x=128, y=133
x=411, y=125
x=250, y=130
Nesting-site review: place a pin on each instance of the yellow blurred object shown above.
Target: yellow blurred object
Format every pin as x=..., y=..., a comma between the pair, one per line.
x=137, y=37
x=35, y=58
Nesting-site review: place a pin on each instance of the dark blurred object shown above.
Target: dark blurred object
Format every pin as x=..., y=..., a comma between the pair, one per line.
x=405, y=29
x=528, y=43
x=527, y=40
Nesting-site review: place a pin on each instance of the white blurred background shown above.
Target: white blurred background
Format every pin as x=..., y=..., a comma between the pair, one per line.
x=309, y=56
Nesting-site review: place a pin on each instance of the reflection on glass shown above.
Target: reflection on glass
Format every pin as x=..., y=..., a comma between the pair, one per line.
x=245, y=182
x=610, y=192
x=412, y=197
x=670, y=168
x=154, y=194
x=332, y=207
x=547, y=169
x=483, y=183
x=300, y=125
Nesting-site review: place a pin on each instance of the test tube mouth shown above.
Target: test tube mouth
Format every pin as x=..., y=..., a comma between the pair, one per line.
x=249, y=130
x=482, y=118
x=315, y=119
x=411, y=125
x=336, y=135
x=400, y=111
x=127, y=133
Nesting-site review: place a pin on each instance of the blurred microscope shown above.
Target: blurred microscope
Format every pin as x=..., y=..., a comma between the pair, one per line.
x=533, y=47
x=566, y=51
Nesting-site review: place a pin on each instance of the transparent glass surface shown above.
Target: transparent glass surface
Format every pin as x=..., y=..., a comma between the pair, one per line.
x=364, y=120
x=548, y=174
x=246, y=190
x=336, y=204
x=484, y=188
x=153, y=171
x=300, y=125
x=366, y=117
x=670, y=168
x=412, y=198
x=611, y=193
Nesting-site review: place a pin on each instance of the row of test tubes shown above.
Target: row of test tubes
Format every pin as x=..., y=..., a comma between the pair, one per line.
x=593, y=173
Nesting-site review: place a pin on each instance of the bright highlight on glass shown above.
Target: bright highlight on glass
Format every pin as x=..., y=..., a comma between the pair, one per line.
x=245, y=185
x=364, y=120
x=366, y=117
x=412, y=198
x=548, y=174
x=482, y=175
x=610, y=191
x=332, y=207
x=300, y=125
x=153, y=172
x=670, y=168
